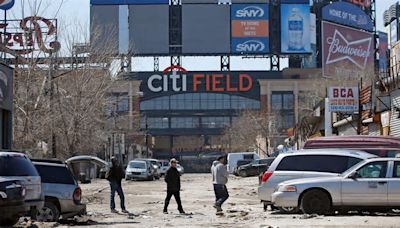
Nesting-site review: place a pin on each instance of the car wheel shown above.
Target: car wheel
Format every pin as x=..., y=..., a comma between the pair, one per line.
x=315, y=202
x=12, y=220
x=288, y=210
x=48, y=213
x=242, y=173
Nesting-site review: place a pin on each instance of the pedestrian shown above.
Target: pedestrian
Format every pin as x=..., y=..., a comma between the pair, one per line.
x=220, y=178
x=114, y=176
x=173, y=180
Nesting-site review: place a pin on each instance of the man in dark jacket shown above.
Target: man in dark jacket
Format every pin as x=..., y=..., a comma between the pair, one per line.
x=173, y=179
x=115, y=176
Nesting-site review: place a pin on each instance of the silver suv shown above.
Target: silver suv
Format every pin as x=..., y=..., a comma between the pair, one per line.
x=18, y=167
x=304, y=164
x=61, y=190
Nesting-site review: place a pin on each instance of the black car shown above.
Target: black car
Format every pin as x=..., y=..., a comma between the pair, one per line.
x=12, y=202
x=240, y=163
x=255, y=168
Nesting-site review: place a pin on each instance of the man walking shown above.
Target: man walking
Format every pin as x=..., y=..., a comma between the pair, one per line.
x=114, y=176
x=220, y=178
x=173, y=179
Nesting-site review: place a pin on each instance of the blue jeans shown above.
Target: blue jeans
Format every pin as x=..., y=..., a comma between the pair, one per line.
x=221, y=194
x=116, y=187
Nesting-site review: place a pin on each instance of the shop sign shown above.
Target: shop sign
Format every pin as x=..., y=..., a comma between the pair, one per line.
x=343, y=99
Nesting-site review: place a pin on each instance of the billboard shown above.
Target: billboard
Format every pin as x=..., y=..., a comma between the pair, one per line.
x=347, y=14
x=383, y=51
x=343, y=99
x=144, y=40
x=393, y=32
x=295, y=27
x=346, y=52
x=205, y=33
x=250, y=28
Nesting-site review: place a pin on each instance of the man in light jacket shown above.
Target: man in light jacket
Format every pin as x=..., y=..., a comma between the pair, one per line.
x=220, y=178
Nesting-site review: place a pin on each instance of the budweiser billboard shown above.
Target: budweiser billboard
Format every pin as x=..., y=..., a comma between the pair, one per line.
x=346, y=53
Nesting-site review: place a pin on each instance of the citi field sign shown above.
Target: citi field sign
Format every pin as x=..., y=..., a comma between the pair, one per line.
x=178, y=79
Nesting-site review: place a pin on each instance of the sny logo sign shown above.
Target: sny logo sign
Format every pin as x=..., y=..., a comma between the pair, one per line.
x=250, y=11
x=251, y=46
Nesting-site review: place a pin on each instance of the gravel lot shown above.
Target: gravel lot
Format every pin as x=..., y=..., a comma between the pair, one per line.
x=145, y=200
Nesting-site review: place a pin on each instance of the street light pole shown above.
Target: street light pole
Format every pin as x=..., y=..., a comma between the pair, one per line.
x=146, y=136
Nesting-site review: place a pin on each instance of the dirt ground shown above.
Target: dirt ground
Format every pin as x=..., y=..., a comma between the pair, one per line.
x=144, y=199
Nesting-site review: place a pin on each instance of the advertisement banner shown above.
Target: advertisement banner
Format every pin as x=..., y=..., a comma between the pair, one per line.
x=250, y=28
x=347, y=14
x=343, y=99
x=295, y=27
x=346, y=53
x=393, y=32
x=383, y=51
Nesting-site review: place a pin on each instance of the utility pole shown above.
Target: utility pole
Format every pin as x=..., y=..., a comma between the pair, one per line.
x=51, y=106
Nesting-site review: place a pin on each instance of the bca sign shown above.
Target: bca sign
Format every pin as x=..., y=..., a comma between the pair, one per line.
x=343, y=99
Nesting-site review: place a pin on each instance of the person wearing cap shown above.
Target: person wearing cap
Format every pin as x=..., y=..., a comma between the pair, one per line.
x=220, y=178
x=115, y=175
x=173, y=180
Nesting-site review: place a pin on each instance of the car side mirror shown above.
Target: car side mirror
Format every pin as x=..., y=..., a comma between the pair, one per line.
x=354, y=175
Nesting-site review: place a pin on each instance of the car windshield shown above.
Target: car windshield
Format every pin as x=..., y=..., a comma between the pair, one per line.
x=137, y=165
x=16, y=166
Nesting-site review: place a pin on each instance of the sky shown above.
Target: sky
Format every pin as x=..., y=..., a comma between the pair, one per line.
x=73, y=13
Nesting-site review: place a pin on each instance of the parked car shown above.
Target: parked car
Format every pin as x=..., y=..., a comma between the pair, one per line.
x=240, y=163
x=139, y=170
x=61, y=191
x=233, y=158
x=255, y=168
x=306, y=163
x=17, y=167
x=382, y=146
x=164, y=165
x=154, y=164
x=12, y=201
x=372, y=185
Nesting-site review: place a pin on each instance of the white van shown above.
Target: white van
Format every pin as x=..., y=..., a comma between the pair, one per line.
x=233, y=158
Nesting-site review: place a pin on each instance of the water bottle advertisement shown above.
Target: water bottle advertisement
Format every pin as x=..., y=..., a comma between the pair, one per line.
x=295, y=28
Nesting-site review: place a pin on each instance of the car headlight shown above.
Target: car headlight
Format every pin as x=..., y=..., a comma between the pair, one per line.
x=287, y=188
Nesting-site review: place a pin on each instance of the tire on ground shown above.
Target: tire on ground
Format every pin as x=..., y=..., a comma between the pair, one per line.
x=52, y=212
x=243, y=173
x=315, y=202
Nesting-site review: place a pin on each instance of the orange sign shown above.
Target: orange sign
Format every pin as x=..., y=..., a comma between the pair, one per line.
x=250, y=28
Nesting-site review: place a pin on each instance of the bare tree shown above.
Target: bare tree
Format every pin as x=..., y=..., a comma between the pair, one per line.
x=60, y=97
x=242, y=135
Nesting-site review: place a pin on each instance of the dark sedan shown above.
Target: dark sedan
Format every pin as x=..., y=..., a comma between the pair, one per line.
x=255, y=168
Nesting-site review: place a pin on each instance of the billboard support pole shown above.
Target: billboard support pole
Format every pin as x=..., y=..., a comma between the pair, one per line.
x=328, y=118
